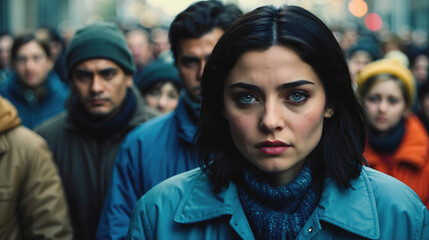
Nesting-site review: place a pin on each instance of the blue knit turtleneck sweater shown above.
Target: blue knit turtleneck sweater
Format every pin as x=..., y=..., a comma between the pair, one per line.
x=278, y=212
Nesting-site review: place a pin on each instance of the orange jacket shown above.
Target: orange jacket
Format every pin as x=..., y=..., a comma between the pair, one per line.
x=410, y=162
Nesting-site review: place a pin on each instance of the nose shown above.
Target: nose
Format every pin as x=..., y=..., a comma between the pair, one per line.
x=97, y=85
x=271, y=119
x=162, y=103
x=29, y=64
x=382, y=106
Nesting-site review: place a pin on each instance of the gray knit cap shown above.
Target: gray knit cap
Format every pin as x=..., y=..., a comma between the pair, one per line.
x=99, y=40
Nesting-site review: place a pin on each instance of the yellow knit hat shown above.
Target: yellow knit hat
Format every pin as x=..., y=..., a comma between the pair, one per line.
x=388, y=66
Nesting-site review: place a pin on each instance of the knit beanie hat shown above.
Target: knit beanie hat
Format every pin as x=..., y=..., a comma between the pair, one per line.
x=99, y=40
x=388, y=66
x=155, y=72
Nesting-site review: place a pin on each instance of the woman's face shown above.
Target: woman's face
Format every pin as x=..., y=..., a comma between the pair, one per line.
x=164, y=98
x=385, y=105
x=275, y=106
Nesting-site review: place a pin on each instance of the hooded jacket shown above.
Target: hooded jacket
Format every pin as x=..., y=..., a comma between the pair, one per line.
x=85, y=163
x=410, y=162
x=32, y=202
x=186, y=207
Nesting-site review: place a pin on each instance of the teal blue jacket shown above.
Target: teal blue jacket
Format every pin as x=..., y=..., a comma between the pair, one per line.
x=185, y=207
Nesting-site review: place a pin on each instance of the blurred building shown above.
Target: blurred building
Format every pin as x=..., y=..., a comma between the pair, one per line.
x=20, y=15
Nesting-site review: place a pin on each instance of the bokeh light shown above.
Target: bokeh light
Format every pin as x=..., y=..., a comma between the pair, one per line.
x=373, y=21
x=358, y=7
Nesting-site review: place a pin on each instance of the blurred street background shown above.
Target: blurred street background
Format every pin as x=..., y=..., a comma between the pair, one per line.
x=399, y=16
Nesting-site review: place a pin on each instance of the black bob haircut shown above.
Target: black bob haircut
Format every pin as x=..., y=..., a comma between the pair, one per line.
x=199, y=19
x=339, y=152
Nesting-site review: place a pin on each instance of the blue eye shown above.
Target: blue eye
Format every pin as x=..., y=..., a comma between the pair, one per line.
x=246, y=99
x=298, y=97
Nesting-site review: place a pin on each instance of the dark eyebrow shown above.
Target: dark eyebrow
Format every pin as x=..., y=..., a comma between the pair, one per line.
x=82, y=72
x=107, y=70
x=189, y=58
x=245, y=86
x=281, y=87
x=294, y=84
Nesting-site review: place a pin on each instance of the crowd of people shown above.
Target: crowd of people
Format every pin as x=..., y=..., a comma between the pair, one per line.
x=223, y=125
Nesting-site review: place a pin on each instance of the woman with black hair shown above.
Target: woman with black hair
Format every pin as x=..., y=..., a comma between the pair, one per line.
x=280, y=141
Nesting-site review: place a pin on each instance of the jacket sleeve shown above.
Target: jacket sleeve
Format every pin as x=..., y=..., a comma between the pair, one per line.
x=425, y=231
x=140, y=226
x=125, y=190
x=42, y=205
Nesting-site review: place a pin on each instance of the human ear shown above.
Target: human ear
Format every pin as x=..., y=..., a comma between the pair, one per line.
x=329, y=112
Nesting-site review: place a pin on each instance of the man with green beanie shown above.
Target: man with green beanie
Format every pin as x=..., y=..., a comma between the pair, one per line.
x=103, y=107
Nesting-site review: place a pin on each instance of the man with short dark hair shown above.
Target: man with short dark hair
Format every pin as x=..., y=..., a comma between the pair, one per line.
x=103, y=107
x=34, y=89
x=163, y=147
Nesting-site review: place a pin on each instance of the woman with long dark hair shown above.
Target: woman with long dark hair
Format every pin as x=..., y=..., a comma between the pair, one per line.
x=280, y=143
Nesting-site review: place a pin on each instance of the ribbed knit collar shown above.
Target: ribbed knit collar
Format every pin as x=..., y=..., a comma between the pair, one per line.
x=278, y=212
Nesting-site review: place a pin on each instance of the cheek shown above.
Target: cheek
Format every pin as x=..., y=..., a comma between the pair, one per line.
x=173, y=104
x=309, y=128
x=151, y=101
x=371, y=108
x=241, y=128
x=399, y=111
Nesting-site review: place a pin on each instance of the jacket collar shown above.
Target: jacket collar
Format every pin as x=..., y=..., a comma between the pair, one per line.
x=358, y=202
x=199, y=205
x=186, y=125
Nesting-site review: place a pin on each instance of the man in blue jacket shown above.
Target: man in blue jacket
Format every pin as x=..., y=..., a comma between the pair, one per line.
x=33, y=88
x=163, y=147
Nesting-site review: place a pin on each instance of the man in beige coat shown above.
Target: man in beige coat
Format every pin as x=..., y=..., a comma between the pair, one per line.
x=32, y=202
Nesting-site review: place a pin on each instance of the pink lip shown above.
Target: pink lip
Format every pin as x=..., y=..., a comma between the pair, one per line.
x=272, y=148
x=381, y=119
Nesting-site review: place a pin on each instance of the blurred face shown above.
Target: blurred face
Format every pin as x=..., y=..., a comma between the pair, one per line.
x=424, y=105
x=359, y=60
x=138, y=43
x=275, y=106
x=32, y=64
x=5, y=47
x=164, y=98
x=421, y=68
x=193, y=58
x=160, y=42
x=385, y=105
x=101, y=86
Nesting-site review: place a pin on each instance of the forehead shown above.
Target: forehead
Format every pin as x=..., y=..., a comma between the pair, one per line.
x=200, y=46
x=96, y=65
x=388, y=86
x=361, y=56
x=278, y=64
x=30, y=47
x=137, y=36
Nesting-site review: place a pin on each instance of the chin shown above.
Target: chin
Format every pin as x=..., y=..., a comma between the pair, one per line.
x=99, y=114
